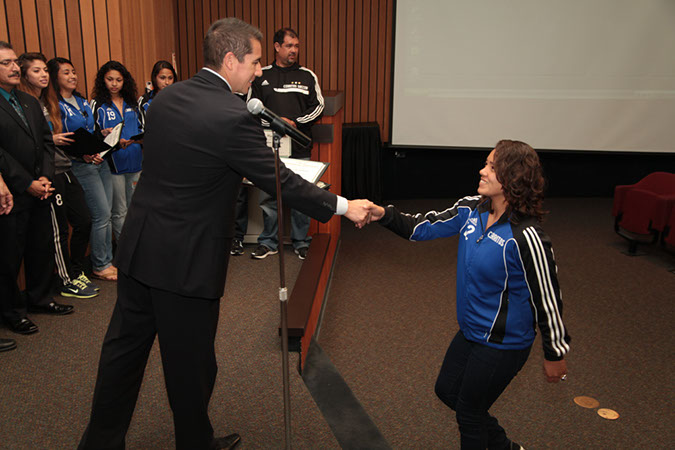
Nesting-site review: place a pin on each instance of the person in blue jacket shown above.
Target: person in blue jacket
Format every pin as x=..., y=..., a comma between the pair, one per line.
x=507, y=286
x=92, y=171
x=114, y=102
x=163, y=75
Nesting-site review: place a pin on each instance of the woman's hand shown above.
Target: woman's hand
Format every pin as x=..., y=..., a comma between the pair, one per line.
x=124, y=143
x=93, y=159
x=376, y=213
x=555, y=371
x=62, y=139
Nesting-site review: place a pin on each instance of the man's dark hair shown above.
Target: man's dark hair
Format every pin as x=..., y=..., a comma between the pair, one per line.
x=280, y=35
x=228, y=35
x=5, y=46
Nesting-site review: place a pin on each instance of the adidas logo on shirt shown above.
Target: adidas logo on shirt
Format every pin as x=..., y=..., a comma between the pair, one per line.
x=265, y=83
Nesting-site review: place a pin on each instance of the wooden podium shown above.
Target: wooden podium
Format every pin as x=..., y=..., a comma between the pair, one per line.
x=306, y=299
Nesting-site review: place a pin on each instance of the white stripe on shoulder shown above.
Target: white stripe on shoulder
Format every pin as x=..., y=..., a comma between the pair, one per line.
x=556, y=327
x=319, y=109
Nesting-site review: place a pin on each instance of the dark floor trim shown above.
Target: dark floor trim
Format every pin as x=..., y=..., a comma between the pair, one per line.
x=351, y=425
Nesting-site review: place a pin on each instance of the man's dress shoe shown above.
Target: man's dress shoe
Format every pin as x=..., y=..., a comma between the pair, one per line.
x=22, y=326
x=228, y=442
x=55, y=309
x=7, y=344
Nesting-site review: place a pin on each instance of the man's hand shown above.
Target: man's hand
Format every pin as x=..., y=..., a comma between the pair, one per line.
x=554, y=371
x=124, y=143
x=359, y=212
x=41, y=188
x=6, y=198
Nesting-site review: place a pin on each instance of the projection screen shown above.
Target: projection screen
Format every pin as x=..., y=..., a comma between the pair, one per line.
x=558, y=74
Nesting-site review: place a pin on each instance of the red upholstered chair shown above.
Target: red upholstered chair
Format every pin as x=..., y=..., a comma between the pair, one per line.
x=642, y=209
x=669, y=234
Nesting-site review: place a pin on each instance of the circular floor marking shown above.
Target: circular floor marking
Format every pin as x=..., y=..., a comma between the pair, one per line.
x=609, y=414
x=586, y=402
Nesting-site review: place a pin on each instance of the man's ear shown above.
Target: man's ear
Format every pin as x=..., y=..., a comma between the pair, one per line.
x=277, y=46
x=228, y=61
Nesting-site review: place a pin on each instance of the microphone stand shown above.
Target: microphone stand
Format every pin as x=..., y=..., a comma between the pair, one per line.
x=283, y=295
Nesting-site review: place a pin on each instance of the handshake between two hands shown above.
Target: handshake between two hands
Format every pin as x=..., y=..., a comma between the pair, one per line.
x=363, y=212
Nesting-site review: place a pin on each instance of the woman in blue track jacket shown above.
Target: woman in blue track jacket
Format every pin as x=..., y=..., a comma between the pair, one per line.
x=115, y=102
x=507, y=286
x=163, y=75
x=92, y=171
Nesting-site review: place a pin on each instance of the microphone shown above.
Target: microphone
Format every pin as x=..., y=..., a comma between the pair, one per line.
x=256, y=107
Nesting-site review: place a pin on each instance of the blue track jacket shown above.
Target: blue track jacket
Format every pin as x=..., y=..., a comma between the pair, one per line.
x=72, y=119
x=123, y=160
x=507, y=280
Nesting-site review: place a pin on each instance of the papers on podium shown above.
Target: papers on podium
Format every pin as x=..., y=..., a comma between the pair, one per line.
x=86, y=143
x=309, y=170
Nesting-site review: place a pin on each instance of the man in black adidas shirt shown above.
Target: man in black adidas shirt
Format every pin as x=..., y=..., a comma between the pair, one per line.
x=292, y=92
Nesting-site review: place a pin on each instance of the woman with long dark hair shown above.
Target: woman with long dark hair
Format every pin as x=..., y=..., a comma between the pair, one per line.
x=507, y=285
x=67, y=204
x=114, y=102
x=91, y=171
x=163, y=75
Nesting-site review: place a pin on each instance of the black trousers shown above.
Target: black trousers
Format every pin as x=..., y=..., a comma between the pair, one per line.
x=471, y=379
x=186, y=328
x=26, y=235
x=241, y=213
x=69, y=207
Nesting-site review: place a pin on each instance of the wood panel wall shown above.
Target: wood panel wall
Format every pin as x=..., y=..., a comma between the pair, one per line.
x=347, y=43
x=92, y=32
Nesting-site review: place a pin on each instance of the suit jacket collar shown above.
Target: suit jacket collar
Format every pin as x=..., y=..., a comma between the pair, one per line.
x=212, y=77
x=4, y=104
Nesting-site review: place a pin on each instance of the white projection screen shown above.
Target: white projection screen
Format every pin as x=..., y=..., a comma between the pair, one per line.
x=557, y=74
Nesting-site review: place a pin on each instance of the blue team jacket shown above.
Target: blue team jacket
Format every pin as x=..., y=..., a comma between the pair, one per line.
x=507, y=280
x=123, y=160
x=72, y=119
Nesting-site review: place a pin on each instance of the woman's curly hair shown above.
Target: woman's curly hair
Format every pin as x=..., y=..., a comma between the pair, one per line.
x=519, y=171
x=101, y=93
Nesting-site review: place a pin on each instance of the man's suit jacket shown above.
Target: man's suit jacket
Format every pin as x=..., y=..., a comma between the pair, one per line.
x=199, y=142
x=28, y=152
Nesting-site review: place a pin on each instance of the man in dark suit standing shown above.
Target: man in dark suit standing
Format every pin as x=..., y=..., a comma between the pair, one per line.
x=27, y=166
x=172, y=256
x=6, y=205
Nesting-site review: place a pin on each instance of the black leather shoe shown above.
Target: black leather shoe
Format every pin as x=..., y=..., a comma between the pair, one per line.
x=228, y=442
x=22, y=326
x=7, y=344
x=53, y=308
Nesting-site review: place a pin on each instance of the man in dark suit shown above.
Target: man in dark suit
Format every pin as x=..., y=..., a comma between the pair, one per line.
x=6, y=205
x=27, y=166
x=173, y=253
